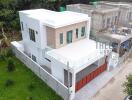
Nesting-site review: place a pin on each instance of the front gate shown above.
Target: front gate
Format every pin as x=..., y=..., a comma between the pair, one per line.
x=90, y=77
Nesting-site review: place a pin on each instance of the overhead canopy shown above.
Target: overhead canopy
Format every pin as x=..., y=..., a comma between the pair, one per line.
x=79, y=54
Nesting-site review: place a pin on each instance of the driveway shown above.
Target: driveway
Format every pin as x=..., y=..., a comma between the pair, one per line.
x=114, y=90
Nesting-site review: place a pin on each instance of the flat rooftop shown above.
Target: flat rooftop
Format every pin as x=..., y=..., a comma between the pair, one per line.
x=78, y=53
x=55, y=19
x=115, y=37
x=101, y=8
x=119, y=4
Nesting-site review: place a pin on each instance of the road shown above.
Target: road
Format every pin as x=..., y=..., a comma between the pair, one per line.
x=114, y=90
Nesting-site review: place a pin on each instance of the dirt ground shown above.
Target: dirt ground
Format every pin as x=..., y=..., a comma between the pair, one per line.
x=114, y=90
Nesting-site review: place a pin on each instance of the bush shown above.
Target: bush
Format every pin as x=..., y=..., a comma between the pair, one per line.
x=30, y=98
x=11, y=65
x=9, y=82
x=2, y=57
x=31, y=86
x=128, y=85
x=10, y=53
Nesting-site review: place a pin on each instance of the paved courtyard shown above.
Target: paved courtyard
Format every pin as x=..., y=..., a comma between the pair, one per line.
x=114, y=90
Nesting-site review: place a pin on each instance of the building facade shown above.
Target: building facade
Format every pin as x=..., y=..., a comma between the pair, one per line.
x=125, y=12
x=110, y=24
x=102, y=16
x=60, y=44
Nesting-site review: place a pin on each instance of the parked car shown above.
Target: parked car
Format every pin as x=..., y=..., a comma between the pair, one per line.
x=128, y=97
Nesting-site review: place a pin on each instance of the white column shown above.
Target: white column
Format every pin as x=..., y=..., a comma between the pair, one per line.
x=73, y=86
x=88, y=28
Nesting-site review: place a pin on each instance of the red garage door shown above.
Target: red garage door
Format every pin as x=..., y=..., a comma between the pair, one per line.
x=90, y=77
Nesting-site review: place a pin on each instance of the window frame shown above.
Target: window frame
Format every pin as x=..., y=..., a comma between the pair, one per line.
x=32, y=35
x=61, y=38
x=77, y=34
x=34, y=58
x=83, y=31
x=67, y=38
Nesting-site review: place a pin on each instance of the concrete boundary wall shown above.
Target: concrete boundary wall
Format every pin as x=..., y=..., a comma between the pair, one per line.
x=124, y=57
x=50, y=80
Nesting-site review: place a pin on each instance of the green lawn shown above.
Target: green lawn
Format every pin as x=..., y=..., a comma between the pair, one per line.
x=22, y=78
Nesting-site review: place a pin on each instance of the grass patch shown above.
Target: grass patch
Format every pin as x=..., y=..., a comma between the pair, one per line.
x=23, y=84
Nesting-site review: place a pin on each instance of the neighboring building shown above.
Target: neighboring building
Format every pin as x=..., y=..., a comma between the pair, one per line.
x=59, y=42
x=125, y=12
x=102, y=16
x=120, y=39
x=107, y=22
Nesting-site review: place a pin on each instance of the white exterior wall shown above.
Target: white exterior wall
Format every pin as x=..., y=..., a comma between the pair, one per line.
x=101, y=61
x=57, y=70
x=88, y=29
x=31, y=47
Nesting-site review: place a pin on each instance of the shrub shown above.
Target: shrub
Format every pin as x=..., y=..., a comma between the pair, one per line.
x=9, y=53
x=9, y=82
x=31, y=86
x=11, y=65
x=128, y=85
x=2, y=57
x=30, y=98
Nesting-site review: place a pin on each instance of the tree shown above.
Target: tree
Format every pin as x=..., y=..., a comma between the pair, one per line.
x=7, y=14
x=128, y=85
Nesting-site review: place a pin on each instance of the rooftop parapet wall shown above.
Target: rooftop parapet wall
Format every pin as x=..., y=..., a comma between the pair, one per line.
x=92, y=8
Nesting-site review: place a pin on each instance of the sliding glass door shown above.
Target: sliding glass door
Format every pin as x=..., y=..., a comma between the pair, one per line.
x=69, y=37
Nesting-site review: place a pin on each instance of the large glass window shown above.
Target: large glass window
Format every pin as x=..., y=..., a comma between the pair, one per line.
x=69, y=36
x=83, y=31
x=32, y=34
x=61, y=38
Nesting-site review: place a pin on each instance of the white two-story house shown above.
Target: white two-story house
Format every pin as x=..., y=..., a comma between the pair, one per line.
x=59, y=42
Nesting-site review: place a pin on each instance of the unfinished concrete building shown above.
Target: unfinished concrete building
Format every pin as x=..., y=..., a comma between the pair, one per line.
x=102, y=16
x=120, y=39
x=107, y=26
x=125, y=12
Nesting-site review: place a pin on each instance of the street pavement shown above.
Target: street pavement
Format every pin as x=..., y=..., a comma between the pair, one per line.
x=114, y=89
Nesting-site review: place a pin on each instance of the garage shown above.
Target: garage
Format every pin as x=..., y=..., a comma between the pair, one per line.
x=92, y=72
